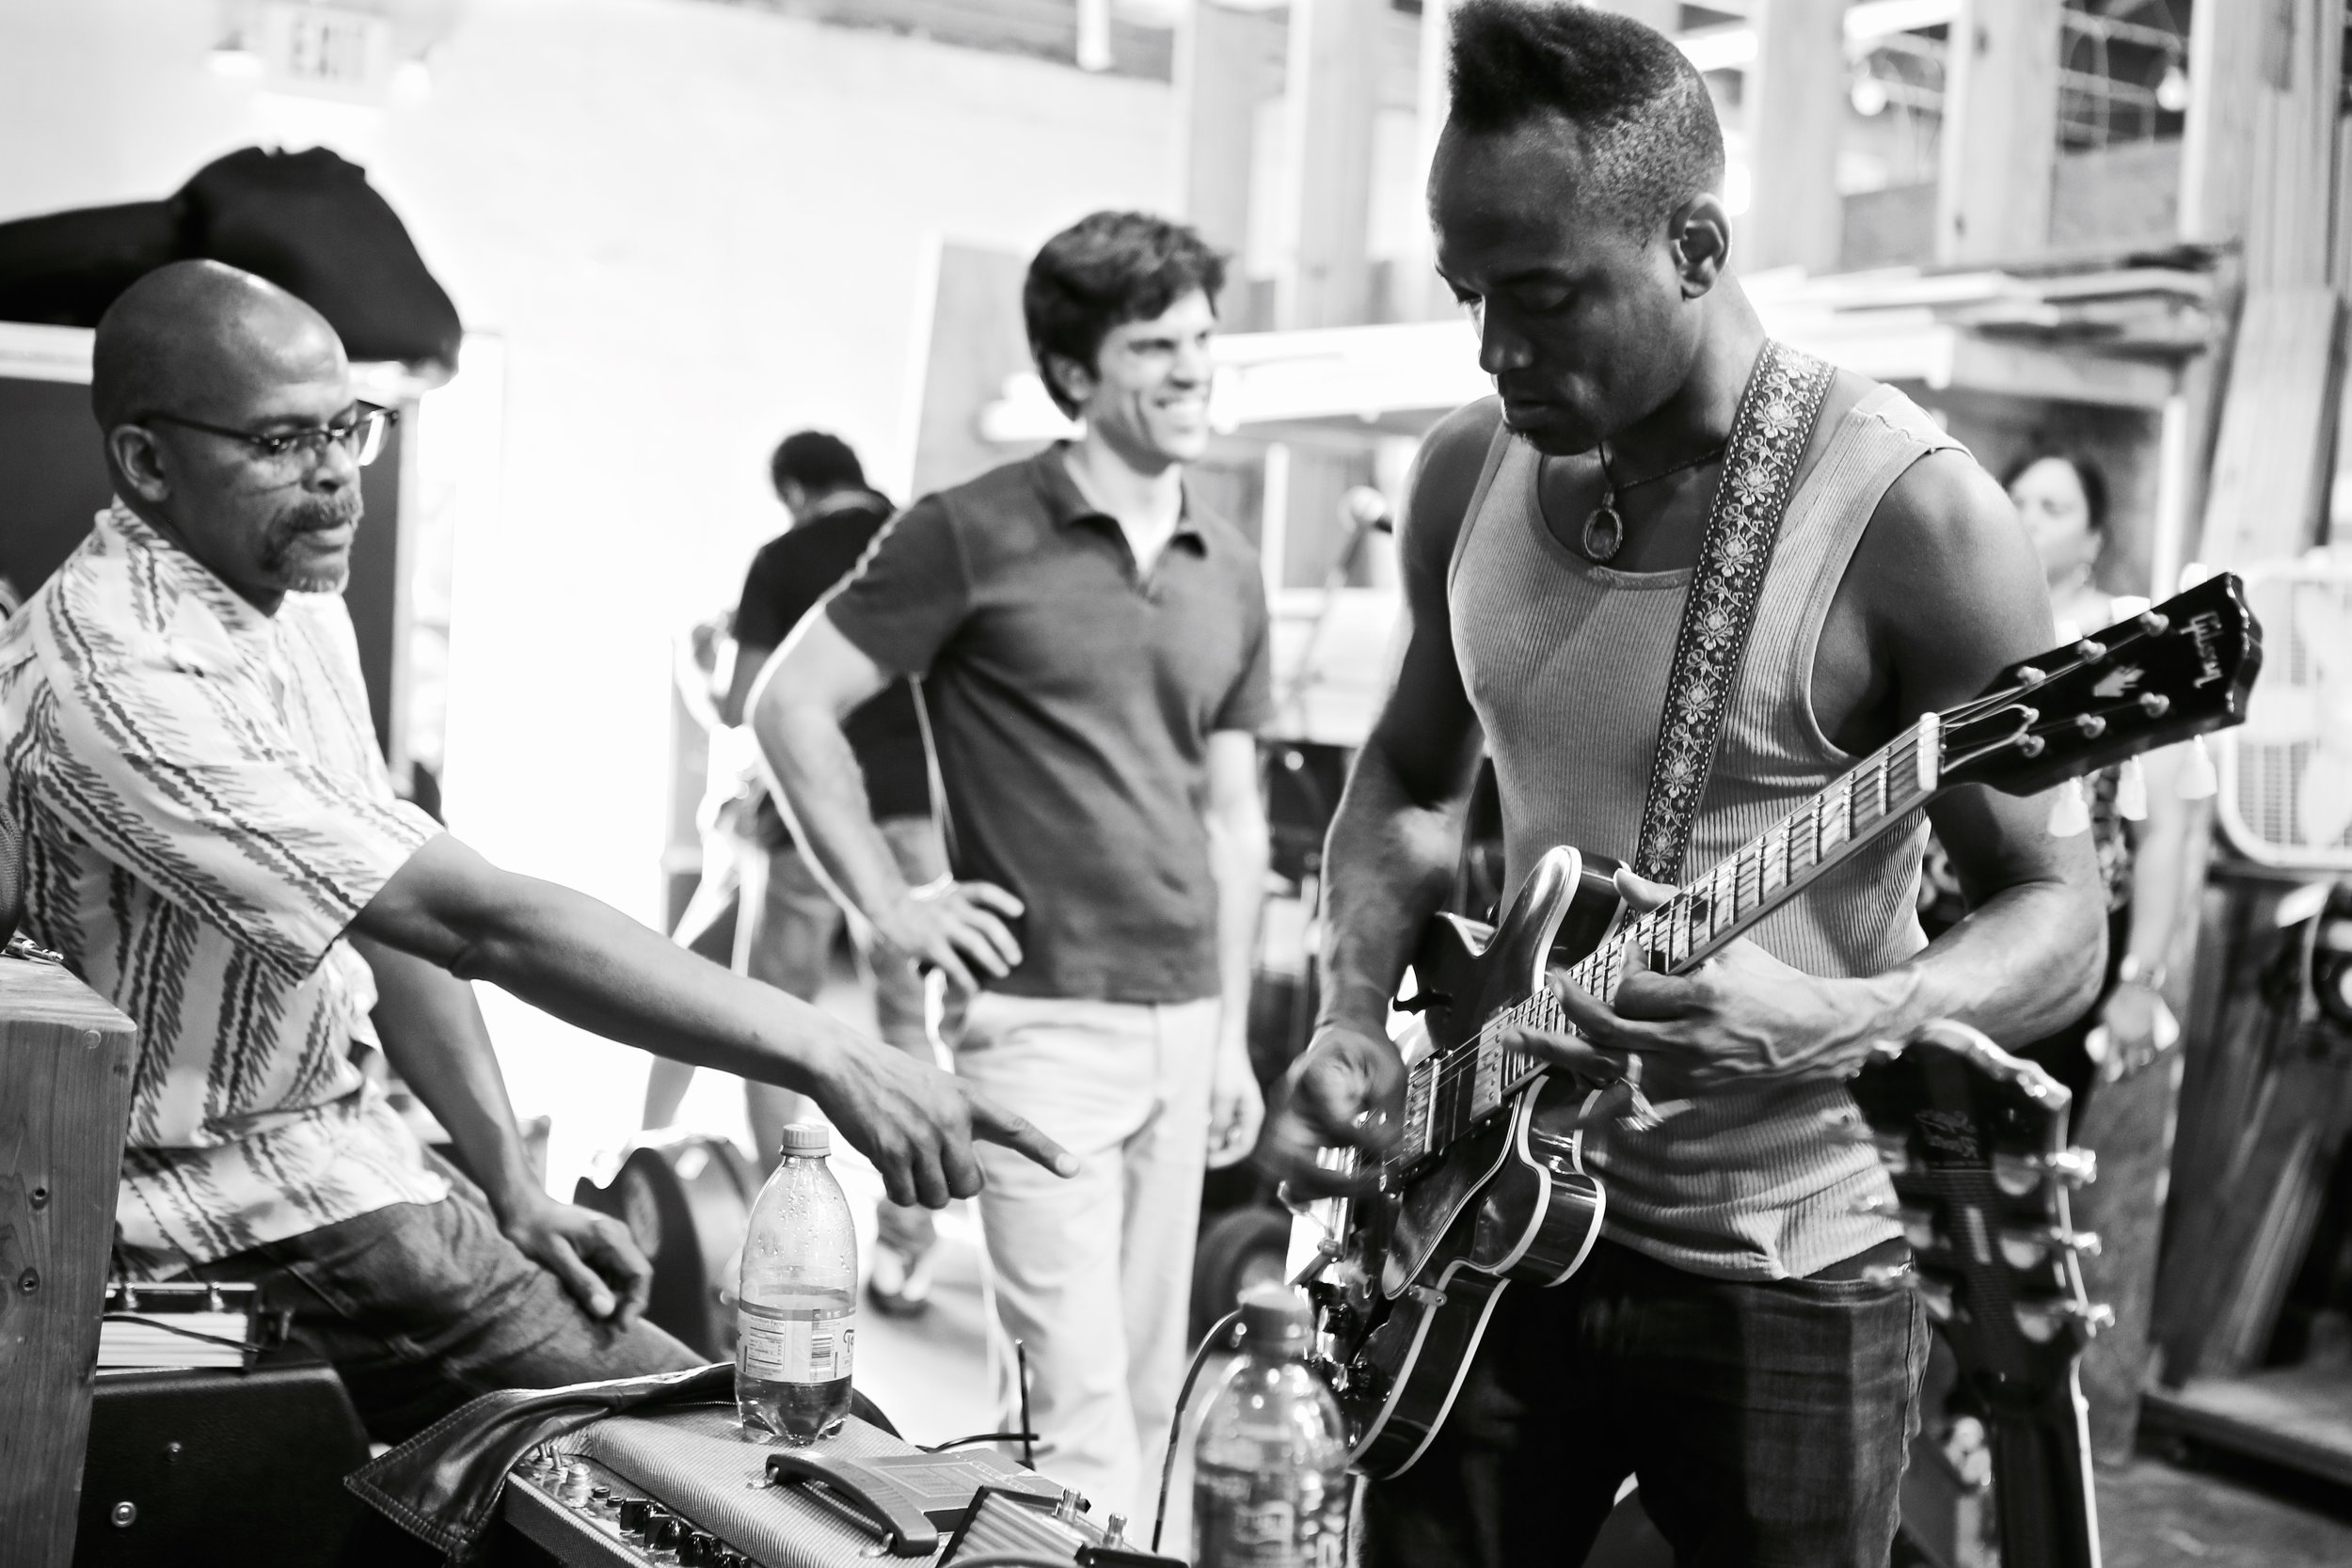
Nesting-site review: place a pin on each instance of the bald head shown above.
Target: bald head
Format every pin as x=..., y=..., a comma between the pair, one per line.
x=196, y=335
x=201, y=371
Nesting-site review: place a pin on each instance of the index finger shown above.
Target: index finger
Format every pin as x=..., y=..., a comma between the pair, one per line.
x=1000, y=1126
x=989, y=896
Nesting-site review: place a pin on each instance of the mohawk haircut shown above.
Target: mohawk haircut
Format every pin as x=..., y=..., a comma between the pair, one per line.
x=1650, y=138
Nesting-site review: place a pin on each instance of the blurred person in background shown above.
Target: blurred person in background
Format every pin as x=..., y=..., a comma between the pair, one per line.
x=210, y=840
x=787, y=921
x=2140, y=827
x=1094, y=651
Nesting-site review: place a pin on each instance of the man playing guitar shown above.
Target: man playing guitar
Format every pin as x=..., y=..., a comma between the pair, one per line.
x=1739, y=1339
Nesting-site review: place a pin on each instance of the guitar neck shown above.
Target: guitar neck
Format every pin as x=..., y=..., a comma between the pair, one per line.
x=2041, y=1484
x=1770, y=869
x=1450, y=1091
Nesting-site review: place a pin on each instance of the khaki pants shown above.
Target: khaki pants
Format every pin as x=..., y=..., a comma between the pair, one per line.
x=1094, y=1273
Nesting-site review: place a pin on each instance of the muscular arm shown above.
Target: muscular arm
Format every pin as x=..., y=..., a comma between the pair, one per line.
x=796, y=713
x=435, y=1038
x=1396, y=838
x=589, y=965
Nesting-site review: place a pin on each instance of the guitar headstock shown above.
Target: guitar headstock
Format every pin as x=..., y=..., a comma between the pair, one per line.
x=2179, y=668
x=1974, y=1141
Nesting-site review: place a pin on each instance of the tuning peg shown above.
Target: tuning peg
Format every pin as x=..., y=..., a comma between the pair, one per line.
x=2199, y=779
x=2025, y=1248
x=2131, y=791
x=2070, y=813
x=1935, y=1297
x=1881, y=1206
x=2042, y=1321
x=2018, y=1175
x=1894, y=1152
x=1889, y=1273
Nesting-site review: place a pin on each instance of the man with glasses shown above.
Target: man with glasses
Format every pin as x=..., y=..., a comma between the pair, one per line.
x=211, y=841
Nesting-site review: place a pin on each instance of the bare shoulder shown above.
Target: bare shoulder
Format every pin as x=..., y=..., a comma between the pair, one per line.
x=1445, y=476
x=1946, y=580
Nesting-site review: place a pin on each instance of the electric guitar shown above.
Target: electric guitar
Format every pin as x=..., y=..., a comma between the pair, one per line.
x=1974, y=1141
x=1487, y=1184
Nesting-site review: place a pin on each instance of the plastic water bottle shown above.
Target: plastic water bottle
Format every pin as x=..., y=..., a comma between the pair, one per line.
x=1270, y=1486
x=796, y=1309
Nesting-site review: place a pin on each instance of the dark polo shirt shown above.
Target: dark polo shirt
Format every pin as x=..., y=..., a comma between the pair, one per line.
x=1071, y=701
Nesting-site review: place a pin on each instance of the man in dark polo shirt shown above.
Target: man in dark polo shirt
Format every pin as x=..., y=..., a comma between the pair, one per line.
x=1094, y=653
x=792, y=919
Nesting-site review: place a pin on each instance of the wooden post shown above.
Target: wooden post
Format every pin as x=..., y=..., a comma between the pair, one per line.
x=1795, y=108
x=1330, y=98
x=1220, y=77
x=2000, y=131
x=65, y=1097
x=1327, y=186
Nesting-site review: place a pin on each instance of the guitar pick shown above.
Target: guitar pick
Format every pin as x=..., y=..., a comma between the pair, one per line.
x=2070, y=813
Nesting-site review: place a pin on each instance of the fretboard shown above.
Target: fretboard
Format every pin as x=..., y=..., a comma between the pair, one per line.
x=1448, y=1091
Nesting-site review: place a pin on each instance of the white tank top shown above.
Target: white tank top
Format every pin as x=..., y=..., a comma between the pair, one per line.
x=1567, y=663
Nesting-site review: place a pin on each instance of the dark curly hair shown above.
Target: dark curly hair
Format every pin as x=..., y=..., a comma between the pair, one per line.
x=2086, y=474
x=1650, y=138
x=1104, y=271
x=817, y=461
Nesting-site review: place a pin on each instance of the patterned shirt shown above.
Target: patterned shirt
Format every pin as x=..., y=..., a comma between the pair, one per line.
x=204, y=811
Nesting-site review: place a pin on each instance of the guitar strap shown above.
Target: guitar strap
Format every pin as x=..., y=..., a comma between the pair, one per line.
x=1769, y=434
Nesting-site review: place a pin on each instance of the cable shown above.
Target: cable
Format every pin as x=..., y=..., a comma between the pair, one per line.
x=1022, y=1437
x=1008, y=1560
x=1209, y=1341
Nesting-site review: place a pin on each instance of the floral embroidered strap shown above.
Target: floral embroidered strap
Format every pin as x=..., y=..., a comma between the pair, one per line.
x=1769, y=434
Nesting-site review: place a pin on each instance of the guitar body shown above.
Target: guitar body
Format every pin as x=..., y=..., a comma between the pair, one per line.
x=1509, y=1199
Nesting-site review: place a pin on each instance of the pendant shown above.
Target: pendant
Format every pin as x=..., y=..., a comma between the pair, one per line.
x=1604, y=530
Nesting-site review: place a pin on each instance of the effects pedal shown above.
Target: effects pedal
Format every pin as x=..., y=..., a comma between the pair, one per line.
x=1020, y=1521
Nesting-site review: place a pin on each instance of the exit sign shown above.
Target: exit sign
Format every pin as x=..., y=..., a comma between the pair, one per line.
x=325, y=49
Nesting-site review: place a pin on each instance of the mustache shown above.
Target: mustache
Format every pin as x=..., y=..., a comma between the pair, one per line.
x=318, y=514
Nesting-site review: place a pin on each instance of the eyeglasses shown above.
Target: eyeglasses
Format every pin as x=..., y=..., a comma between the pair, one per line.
x=361, y=438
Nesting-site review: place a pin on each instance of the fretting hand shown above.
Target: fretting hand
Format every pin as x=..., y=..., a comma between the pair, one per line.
x=1742, y=1017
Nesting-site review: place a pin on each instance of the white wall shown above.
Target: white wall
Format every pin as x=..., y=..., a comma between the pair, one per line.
x=694, y=227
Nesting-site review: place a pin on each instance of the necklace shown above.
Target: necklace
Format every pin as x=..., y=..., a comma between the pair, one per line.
x=1604, y=526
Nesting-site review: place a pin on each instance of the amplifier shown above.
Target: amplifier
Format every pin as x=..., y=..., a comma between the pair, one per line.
x=682, y=1487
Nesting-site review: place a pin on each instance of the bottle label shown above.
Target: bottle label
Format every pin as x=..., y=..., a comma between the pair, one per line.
x=799, y=1347
x=1243, y=1519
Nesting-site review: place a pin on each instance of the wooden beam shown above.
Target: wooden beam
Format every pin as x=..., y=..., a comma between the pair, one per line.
x=1665, y=16
x=2272, y=460
x=2261, y=144
x=2000, y=131
x=1327, y=187
x=1794, y=108
x=1221, y=75
x=65, y=1099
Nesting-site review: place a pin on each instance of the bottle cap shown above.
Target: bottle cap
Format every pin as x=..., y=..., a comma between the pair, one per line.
x=1273, y=1317
x=805, y=1138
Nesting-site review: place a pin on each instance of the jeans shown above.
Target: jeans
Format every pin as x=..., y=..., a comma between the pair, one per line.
x=1094, y=1273
x=1766, y=1422
x=789, y=945
x=422, y=1306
